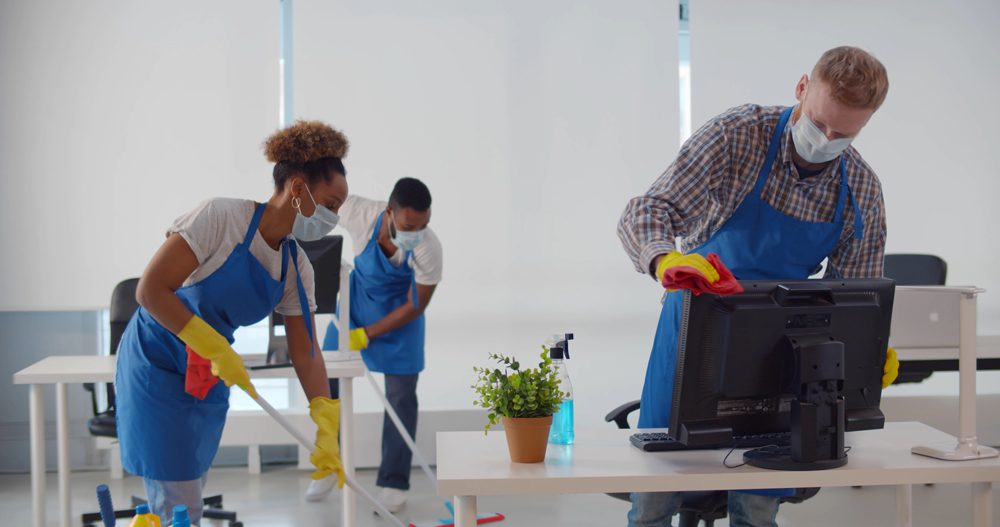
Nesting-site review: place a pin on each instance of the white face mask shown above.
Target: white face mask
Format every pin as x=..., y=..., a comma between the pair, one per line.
x=405, y=240
x=312, y=228
x=812, y=144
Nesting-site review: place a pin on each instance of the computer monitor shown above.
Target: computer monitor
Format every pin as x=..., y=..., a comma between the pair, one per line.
x=324, y=255
x=804, y=357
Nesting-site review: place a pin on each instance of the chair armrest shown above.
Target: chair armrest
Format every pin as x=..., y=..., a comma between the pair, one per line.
x=620, y=415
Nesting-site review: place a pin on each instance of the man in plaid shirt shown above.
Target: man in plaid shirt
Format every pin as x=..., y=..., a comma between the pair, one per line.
x=773, y=191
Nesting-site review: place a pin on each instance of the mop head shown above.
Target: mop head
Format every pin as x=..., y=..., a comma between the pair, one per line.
x=450, y=522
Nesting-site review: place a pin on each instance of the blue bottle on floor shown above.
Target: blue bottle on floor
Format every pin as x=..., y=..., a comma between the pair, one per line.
x=180, y=518
x=561, y=432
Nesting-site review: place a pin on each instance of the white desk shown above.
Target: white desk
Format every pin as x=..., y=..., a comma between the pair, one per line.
x=63, y=370
x=987, y=347
x=471, y=464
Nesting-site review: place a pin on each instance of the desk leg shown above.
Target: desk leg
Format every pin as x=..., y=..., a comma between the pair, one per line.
x=465, y=511
x=904, y=505
x=62, y=449
x=36, y=407
x=982, y=504
x=347, y=447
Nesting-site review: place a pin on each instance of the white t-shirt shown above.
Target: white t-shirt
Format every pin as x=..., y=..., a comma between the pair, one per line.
x=216, y=226
x=358, y=216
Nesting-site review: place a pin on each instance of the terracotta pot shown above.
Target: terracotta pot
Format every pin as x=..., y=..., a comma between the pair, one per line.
x=527, y=438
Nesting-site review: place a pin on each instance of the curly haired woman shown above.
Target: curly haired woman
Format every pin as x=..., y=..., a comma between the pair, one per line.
x=227, y=263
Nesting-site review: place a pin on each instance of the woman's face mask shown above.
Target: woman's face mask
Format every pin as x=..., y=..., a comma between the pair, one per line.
x=314, y=227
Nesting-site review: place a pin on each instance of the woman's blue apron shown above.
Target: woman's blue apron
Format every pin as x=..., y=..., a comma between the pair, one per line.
x=756, y=243
x=377, y=288
x=165, y=433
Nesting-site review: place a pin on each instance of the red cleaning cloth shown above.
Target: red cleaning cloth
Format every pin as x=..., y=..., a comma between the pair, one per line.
x=684, y=277
x=199, y=379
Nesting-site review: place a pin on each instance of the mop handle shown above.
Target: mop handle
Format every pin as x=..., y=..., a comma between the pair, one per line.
x=402, y=430
x=304, y=441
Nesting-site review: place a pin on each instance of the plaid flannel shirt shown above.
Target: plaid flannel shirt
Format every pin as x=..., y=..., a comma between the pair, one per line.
x=717, y=167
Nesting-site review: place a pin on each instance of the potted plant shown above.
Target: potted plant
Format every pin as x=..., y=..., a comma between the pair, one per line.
x=523, y=400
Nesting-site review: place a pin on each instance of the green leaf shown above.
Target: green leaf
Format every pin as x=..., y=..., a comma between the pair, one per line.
x=512, y=392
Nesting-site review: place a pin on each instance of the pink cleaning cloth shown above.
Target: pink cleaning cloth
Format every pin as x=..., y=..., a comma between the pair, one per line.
x=684, y=277
x=199, y=379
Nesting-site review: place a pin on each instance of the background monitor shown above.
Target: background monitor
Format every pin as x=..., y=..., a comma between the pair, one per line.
x=737, y=361
x=325, y=255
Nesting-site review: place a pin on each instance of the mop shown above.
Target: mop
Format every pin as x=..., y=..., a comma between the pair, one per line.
x=342, y=321
x=443, y=522
x=304, y=441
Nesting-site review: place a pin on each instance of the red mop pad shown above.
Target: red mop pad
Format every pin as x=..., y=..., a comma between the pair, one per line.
x=480, y=520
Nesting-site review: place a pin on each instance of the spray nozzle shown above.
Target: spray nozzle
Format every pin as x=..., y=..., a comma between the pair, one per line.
x=559, y=346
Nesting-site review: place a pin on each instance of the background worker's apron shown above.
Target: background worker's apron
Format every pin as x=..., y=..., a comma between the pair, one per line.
x=165, y=433
x=377, y=288
x=756, y=243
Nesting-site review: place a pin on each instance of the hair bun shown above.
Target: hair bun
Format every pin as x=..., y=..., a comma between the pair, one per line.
x=305, y=141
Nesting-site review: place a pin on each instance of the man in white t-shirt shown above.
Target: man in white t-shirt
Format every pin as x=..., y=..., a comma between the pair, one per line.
x=397, y=268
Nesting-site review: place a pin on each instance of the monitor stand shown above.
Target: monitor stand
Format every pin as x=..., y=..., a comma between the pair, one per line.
x=817, y=422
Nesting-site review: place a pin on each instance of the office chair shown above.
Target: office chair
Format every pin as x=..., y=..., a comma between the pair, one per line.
x=914, y=269
x=123, y=306
x=706, y=506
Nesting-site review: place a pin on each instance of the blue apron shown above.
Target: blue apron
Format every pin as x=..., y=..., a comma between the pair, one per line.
x=756, y=243
x=165, y=433
x=377, y=288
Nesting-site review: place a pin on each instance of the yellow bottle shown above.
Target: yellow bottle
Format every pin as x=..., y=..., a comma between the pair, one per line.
x=144, y=518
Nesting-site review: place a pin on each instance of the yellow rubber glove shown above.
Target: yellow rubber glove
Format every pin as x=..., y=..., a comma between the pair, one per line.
x=891, y=369
x=325, y=412
x=209, y=344
x=693, y=260
x=358, y=339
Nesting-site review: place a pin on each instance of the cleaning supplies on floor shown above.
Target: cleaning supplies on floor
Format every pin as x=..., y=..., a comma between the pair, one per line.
x=107, y=510
x=561, y=432
x=144, y=518
x=180, y=517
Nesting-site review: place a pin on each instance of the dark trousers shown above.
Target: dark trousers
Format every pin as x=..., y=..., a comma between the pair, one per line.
x=401, y=391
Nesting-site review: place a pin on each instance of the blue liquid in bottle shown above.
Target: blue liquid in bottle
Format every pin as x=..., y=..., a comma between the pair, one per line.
x=562, y=425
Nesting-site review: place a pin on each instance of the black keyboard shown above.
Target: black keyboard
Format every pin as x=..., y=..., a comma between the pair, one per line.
x=662, y=442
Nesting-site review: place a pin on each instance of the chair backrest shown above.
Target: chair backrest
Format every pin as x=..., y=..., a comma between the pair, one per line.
x=123, y=306
x=915, y=269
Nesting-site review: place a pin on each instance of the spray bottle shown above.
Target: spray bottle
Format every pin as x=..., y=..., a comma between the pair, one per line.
x=561, y=432
x=144, y=518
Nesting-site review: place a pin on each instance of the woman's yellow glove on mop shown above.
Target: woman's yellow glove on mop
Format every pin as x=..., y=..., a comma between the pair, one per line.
x=207, y=343
x=325, y=412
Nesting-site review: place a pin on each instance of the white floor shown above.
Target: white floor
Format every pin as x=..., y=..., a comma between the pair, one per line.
x=273, y=499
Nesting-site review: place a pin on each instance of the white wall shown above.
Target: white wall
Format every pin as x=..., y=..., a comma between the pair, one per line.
x=532, y=123
x=933, y=143
x=115, y=118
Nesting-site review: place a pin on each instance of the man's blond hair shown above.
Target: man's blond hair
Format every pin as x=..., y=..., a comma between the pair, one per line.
x=855, y=77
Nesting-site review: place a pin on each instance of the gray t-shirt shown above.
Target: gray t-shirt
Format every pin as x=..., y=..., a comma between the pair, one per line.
x=216, y=226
